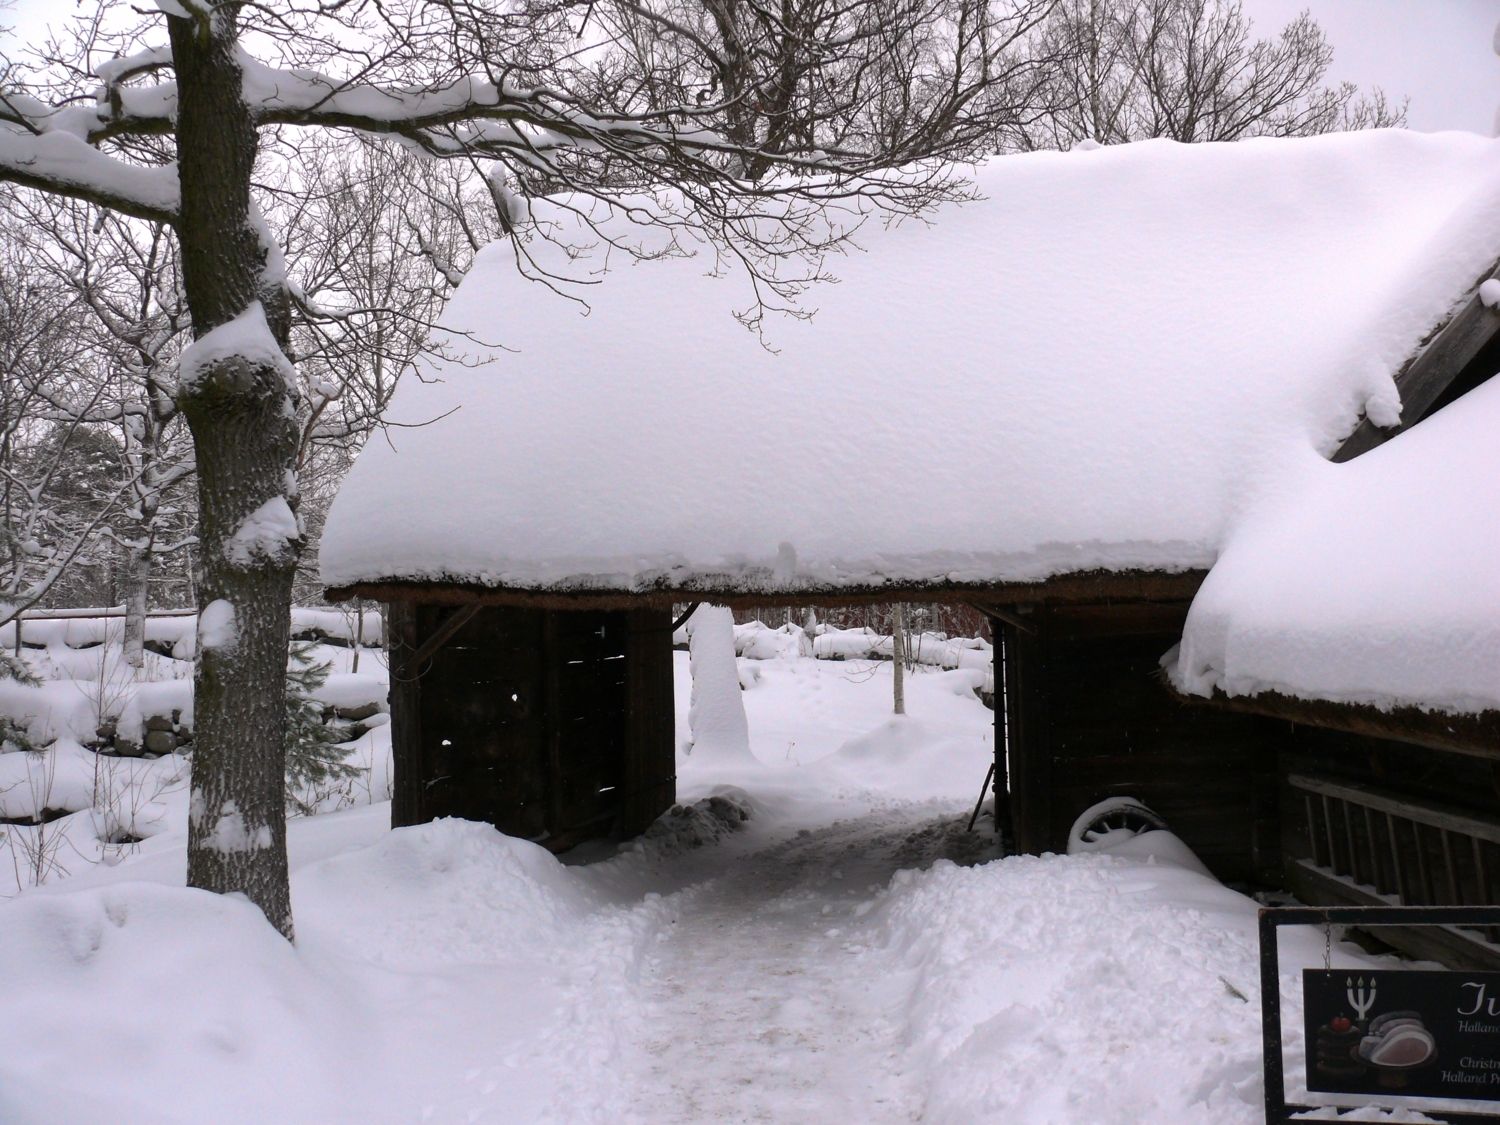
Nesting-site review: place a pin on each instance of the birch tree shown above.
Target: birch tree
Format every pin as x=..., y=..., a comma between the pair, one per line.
x=169, y=129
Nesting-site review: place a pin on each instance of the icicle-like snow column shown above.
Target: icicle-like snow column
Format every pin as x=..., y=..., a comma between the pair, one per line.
x=717, y=715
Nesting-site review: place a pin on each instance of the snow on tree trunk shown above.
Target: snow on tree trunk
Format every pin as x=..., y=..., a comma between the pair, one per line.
x=717, y=715
x=238, y=396
x=137, y=575
x=898, y=656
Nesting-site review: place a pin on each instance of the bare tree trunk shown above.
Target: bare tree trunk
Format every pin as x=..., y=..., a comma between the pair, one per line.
x=137, y=575
x=359, y=630
x=898, y=655
x=245, y=438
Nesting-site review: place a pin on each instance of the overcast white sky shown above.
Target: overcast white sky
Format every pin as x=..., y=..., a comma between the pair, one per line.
x=1436, y=51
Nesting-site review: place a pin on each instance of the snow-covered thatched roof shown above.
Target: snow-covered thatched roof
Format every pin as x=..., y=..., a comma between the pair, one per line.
x=1102, y=364
x=1374, y=582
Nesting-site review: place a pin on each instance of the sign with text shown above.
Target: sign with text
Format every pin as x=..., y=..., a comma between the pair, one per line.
x=1413, y=1033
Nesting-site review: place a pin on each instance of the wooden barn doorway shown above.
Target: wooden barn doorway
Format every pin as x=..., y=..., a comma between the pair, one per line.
x=554, y=726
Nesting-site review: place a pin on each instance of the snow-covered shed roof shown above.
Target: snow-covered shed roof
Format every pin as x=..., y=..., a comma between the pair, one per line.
x=1374, y=582
x=1097, y=366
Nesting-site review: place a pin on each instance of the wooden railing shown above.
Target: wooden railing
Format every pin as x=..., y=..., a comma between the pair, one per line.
x=1420, y=853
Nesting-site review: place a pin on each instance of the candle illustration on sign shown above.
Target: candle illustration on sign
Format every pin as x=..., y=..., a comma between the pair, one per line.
x=1364, y=1001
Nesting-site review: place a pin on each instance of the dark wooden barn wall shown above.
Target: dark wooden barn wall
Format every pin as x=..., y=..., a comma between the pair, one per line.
x=651, y=720
x=1089, y=718
x=554, y=726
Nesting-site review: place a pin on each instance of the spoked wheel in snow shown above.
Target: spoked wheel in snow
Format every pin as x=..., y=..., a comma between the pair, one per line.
x=1111, y=820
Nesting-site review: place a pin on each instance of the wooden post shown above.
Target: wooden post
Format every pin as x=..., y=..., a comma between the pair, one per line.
x=552, y=720
x=407, y=786
x=1005, y=826
x=650, y=718
x=1030, y=746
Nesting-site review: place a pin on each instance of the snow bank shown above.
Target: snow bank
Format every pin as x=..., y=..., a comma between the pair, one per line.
x=1373, y=581
x=124, y=994
x=1079, y=989
x=160, y=700
x=918, y=758
x=1113, y=346
x=432, y=968
x=355, y=689
x=60, y=780
x=446, y=893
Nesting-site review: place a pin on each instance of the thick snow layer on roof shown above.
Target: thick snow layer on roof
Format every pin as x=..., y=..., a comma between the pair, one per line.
x=1097, y=365
x=1377, y=581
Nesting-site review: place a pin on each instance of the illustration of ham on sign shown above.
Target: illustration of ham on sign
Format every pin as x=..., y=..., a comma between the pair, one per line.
x=1397, y=1039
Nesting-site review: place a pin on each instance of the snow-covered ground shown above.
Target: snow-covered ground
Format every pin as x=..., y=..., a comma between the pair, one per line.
x=849, y=953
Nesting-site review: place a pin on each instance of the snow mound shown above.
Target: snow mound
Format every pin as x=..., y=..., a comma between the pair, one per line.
x=1373, y=581
x=126, y=990
x=704, y=822
x=62, y=779
x=446, y=893
x=913, y=758
x=755, y=640
x=51, y=710
x=1114, y=349
x=1077, y=989
x=894, y=742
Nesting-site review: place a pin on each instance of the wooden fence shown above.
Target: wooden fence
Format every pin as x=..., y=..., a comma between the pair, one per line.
x=1361, y=840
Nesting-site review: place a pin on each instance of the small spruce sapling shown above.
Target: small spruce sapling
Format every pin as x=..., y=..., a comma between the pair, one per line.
x=13, y=734
x=314, y=758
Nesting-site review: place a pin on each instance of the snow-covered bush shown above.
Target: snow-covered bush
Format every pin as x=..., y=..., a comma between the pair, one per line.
x=94, y=753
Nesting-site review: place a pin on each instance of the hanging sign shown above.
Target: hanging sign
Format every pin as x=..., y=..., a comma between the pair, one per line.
x=1412, y=1033
x=1377, y=1038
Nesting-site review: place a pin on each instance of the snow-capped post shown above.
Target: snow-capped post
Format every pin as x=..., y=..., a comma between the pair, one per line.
x=898, y=657
x=716, y=717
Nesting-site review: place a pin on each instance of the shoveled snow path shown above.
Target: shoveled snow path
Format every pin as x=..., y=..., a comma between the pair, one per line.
x=758, y=1006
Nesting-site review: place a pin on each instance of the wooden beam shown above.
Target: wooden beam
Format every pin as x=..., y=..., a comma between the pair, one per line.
x=1475, y=735
x=682, y=620
x=1003, y=615
x=1428, y=373
x=440, y=636
x=1077, y=586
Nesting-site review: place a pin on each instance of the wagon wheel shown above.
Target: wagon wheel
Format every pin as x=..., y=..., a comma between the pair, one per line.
x=1137, y=818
